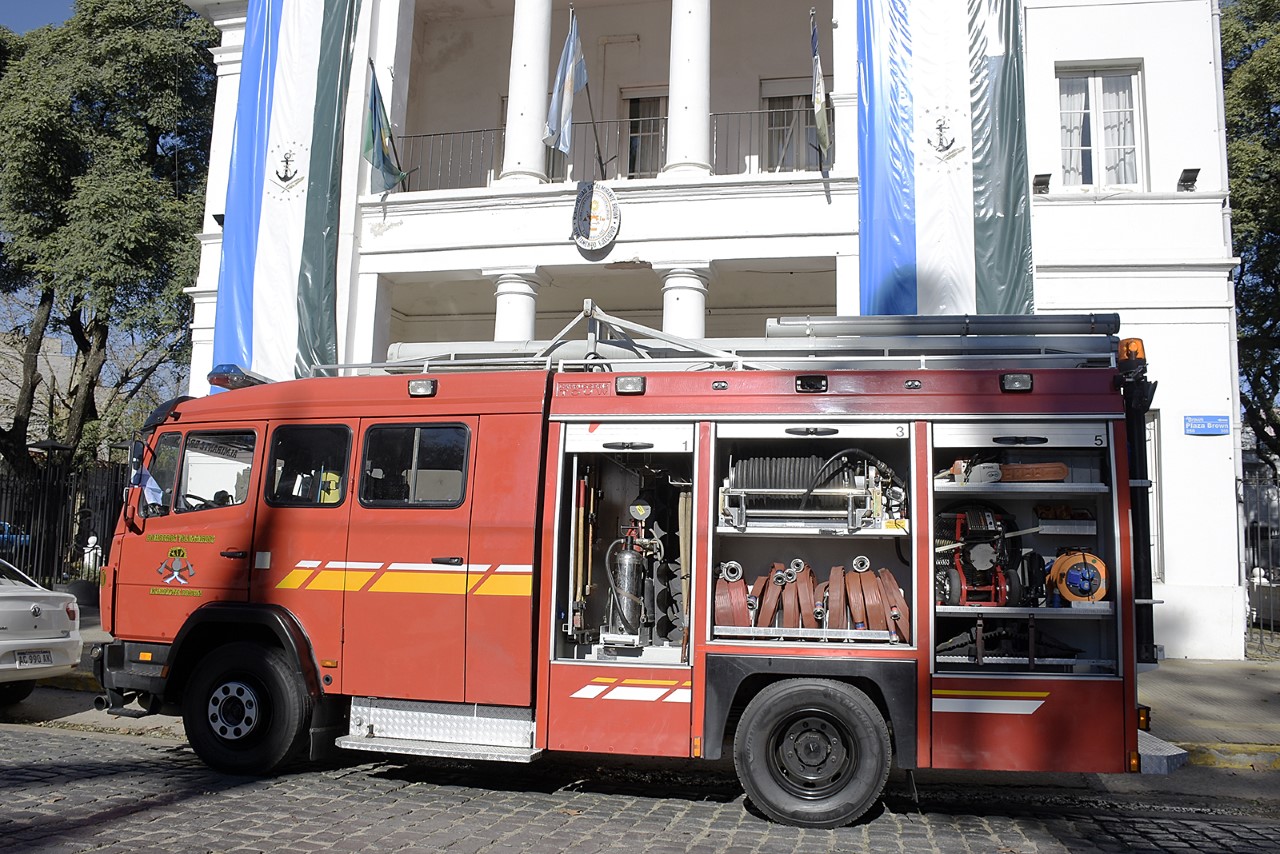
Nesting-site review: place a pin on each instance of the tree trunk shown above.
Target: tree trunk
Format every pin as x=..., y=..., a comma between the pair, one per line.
x=13, y=441
x=82, y=406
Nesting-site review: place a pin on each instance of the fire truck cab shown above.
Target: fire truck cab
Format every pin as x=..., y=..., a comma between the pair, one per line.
x=853, y=542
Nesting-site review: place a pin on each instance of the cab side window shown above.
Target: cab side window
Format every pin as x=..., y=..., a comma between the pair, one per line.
x=215, y=470
x=308, y=466
x=157, y=477
x=415, y=466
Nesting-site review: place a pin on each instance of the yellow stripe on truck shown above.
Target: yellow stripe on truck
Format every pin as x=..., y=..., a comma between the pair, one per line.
x=506, y=585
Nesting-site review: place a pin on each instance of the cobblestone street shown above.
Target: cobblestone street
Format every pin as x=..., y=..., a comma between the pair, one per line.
x=69, y=792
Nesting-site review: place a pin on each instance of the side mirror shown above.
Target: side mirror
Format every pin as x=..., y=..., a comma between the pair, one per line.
x=131, y=519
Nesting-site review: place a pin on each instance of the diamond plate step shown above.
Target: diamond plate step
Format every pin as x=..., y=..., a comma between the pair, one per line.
x=414, y=747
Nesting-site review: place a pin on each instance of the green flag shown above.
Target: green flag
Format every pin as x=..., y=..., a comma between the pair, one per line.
x=379, y=147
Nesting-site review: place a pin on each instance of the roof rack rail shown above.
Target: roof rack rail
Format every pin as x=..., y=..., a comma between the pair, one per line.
x=790, y=343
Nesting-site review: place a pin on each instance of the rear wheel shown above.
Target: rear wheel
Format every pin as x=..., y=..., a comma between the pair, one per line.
x=953, y=588
x=12, y=693
x=1013, y=588
x=246, y=709
x=812, y=752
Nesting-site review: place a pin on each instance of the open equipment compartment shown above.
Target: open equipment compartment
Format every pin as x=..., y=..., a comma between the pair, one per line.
x=812, y=533
x=622, y=587
x=1024, y=548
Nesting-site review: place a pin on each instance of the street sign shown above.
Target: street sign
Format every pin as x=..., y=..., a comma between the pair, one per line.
x=1206, y=425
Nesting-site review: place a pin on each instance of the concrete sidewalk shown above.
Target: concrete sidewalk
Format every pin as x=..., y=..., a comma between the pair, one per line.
x=1223, y=713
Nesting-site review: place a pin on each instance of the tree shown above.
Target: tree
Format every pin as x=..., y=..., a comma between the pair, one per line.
x=104, y=139
x=1251, y=77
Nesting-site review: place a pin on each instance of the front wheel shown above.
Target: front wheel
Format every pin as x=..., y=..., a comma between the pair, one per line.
x=246, y=709
x=812, y=752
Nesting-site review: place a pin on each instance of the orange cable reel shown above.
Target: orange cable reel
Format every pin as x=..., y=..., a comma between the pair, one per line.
x=1079, y=576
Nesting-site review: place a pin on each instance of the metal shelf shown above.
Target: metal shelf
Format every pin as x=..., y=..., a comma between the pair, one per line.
x=1046, y=489
x=771, y=633
x=1103, y=609
x=1009, y=659
x=798, y=531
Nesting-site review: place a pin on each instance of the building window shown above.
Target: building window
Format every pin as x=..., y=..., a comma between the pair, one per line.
x=792, y=144
x=1100, y=128
x=646, y=135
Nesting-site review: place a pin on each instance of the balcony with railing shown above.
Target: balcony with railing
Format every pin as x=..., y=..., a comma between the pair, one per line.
x=742, y=143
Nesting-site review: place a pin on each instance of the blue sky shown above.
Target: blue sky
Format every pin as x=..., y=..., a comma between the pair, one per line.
x=23, y=15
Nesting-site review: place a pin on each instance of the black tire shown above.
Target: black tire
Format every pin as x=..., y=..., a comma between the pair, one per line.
x=955, y=585
x=1013, y=588
x=846, y=742
x=246, y=710
x=12, y=693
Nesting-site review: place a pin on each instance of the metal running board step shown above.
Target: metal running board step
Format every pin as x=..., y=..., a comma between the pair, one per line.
x=413, y=747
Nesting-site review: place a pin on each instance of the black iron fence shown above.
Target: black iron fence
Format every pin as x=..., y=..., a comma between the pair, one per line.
x=1260, y=494
x=742, y=143
x=57, y=526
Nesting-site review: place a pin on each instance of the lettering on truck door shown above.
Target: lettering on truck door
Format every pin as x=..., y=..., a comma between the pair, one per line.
x=196, y=515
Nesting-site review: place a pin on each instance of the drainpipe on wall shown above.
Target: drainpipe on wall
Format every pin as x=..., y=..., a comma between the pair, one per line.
x=1215, y=18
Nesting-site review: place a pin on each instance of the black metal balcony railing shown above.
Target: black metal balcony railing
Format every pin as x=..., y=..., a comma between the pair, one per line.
x=742, y=143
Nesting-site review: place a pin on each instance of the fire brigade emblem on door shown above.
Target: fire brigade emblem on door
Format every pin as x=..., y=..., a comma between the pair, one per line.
x=176, y=566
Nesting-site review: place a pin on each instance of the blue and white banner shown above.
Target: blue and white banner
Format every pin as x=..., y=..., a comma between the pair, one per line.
x=274, y=307
x=944, y=210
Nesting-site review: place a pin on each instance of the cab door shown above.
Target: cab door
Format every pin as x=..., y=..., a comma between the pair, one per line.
x=300, y=541
x=405, y=603
x=196, y=515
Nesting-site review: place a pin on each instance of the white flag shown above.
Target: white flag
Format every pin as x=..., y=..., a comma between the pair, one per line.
x=819, y=89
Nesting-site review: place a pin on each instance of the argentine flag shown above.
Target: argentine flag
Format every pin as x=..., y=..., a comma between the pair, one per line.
x=276, y=303
x=944, y=204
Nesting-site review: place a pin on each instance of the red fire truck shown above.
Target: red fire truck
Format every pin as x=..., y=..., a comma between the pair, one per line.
x=853, y=542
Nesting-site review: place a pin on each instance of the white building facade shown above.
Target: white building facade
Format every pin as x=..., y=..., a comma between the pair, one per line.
x=727, y=217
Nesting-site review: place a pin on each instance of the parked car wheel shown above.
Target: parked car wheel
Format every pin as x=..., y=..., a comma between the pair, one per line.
x=12, y=693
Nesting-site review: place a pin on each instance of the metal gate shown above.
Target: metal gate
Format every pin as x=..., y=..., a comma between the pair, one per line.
x=1260, y=494
x=57, y=525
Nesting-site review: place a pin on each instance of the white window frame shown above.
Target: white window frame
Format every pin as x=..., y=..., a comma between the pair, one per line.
x=1097, y=147
x=658, y=136
x=794, y=88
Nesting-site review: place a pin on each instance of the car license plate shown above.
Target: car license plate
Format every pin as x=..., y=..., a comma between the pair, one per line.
x=35, y=658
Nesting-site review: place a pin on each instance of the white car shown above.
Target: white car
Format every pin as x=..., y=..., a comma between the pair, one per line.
x=39, y=634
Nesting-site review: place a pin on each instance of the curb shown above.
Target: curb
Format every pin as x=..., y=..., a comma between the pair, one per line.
x=1245, y=757
x=76, y=680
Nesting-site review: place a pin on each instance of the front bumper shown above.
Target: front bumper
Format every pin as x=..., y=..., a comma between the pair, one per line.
x=129, y=670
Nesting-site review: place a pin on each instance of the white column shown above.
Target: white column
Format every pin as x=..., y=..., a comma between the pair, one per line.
x=516, y=297
x=391, y=51
x=848, y=288
x=230, y=20
x=370, y=316
x=524, y=153
x=844, y=84
x=689, y=92
x=684, y=300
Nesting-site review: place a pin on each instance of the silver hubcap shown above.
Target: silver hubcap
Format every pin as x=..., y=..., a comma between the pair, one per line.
x=233, y=710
